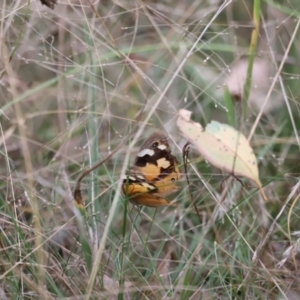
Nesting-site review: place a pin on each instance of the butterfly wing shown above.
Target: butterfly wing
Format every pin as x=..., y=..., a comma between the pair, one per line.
x=151, y=200
x=153, y=174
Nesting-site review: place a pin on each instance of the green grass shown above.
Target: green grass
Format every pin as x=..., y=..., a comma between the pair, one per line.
x=79, y=82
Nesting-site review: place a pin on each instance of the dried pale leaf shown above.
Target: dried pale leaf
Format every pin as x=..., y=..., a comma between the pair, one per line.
x=261, y=73
x=222, y=146
x=112, y=286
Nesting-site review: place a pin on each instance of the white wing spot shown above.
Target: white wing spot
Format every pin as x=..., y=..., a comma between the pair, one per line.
x=124, y=177
x=162, y=147
x=140, y=177
x=148, y=186
x=145, y=152
x=163, y=163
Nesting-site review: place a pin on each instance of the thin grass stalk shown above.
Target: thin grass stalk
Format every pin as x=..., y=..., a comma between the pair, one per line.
x=93, y=145
x=252, y=52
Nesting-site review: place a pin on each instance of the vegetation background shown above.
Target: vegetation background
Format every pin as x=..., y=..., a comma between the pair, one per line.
x=73, y=82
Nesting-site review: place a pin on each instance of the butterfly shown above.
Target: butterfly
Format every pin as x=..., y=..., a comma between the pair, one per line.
x=153, y=174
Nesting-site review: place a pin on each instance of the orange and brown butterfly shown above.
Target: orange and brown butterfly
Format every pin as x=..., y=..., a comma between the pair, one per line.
x=153, y=174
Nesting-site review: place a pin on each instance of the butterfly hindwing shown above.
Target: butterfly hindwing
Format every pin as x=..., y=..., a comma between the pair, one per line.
x=151, y=200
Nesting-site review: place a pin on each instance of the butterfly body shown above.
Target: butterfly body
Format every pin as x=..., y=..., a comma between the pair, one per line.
x=153, y=174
